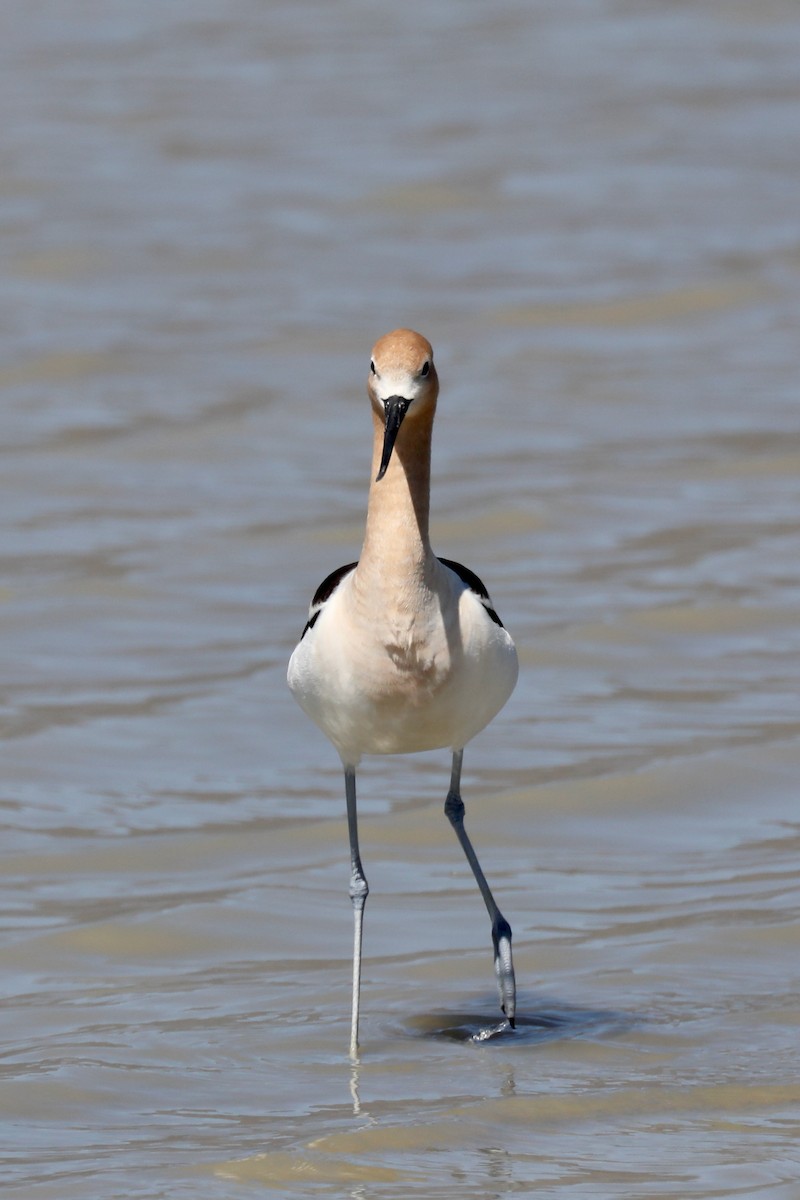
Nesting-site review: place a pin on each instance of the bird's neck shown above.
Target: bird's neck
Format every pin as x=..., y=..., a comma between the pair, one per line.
x=396, y=542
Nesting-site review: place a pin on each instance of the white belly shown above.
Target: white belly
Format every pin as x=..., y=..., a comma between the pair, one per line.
x=383, y=686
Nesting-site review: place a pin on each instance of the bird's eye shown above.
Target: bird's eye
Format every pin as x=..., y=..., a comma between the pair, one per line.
x=372, y=367
x=426, y=366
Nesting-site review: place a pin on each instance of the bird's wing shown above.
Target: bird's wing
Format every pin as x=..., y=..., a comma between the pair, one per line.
x=323, y=594
x=475, y=585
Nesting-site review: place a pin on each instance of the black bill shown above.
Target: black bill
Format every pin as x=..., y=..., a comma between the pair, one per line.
x=396, y=408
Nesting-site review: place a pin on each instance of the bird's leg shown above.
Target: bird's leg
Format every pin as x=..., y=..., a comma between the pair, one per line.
x=359, y=890
x=501, y=930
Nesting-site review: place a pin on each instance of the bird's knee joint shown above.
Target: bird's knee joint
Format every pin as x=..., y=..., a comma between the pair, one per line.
x=454, y=808
x=359, y=889
x=501, y=931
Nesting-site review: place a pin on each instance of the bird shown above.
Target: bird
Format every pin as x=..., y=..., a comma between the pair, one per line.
x=404, y=651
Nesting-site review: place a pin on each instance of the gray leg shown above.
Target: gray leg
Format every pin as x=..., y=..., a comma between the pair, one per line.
x=501, y=930
x=359, y=891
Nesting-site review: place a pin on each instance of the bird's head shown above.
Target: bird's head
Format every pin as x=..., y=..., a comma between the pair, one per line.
x=402, y=384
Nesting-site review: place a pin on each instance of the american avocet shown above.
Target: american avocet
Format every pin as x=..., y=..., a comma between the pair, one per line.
x=403, y=651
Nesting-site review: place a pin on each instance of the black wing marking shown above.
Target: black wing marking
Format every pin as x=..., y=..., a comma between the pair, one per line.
x=324, y=592
x=475, y=585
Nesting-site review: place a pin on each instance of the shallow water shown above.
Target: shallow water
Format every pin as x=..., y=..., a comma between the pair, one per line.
x=207, y=219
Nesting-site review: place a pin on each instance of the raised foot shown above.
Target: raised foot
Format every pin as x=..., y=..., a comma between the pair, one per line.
x=504, y=968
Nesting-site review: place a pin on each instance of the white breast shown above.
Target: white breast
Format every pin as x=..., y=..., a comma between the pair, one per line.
x=381, y=682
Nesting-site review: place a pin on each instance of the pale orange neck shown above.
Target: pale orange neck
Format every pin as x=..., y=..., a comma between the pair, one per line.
x=396, y=539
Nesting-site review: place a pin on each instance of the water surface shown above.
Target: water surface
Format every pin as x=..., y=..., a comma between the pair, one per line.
x=207, y=219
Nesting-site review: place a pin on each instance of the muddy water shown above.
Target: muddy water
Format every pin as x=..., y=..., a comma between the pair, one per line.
x=207, y=217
